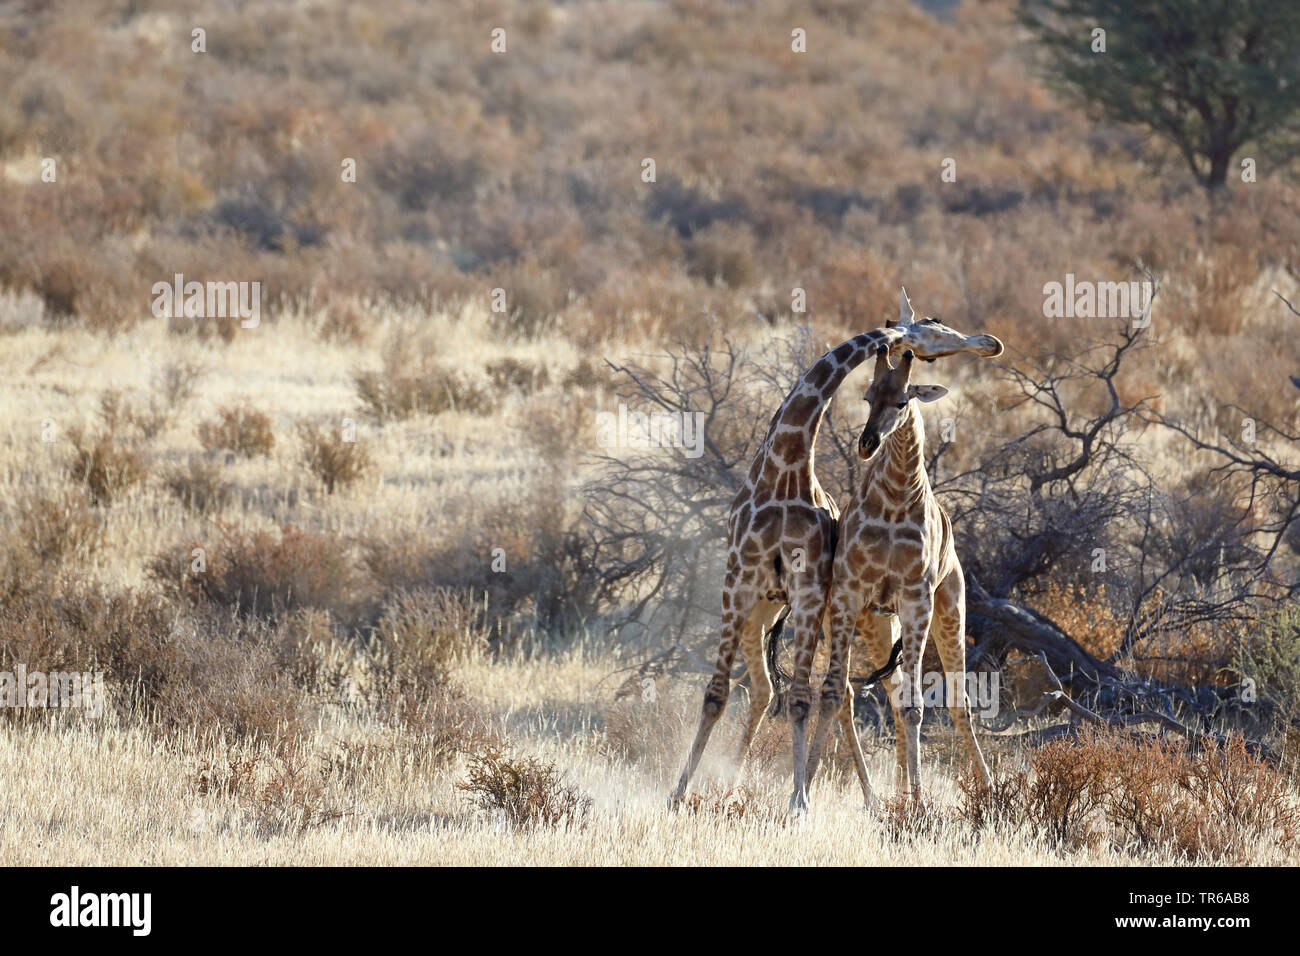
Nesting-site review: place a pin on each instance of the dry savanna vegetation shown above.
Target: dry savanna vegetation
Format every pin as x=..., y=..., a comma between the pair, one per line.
x=364, y=585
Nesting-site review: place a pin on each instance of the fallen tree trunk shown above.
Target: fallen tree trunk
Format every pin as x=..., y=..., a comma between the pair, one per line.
x=1028, y=631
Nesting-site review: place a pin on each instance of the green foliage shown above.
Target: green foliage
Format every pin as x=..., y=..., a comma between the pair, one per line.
x=1271, y=658
x=1208, y=75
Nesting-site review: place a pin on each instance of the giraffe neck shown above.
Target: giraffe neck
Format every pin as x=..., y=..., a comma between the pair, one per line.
x=792, y=436
x=899, y=470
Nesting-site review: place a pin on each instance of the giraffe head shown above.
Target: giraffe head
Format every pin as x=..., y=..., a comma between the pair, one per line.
x=889, y=393
x=931, y=339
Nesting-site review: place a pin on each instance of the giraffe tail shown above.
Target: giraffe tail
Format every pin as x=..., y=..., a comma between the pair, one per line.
x=780, y=677
x=891, y=665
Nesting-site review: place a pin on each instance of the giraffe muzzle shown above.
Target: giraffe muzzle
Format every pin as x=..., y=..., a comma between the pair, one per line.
x=868, y=443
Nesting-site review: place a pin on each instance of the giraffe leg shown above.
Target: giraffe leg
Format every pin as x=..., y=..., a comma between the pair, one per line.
x=850, y=730
x=949, y=631
x=879, y=631
x=914, y=617
x=760, y=681
x=836, y=699
x=807, y=611
x=734, y=619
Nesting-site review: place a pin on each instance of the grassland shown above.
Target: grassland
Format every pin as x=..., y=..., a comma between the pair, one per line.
x=352, y=649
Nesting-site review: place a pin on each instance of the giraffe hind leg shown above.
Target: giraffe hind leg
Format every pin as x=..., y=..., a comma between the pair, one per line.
x=761, y=620
x=718, y=689
x=808, y=607
x=949, y=632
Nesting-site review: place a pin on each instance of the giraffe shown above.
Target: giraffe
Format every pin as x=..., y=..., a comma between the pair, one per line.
x=781, y=534
x=896, y=557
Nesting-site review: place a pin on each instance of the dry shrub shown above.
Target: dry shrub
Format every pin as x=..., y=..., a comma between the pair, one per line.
x=517, y=375
x=199, y=485
x=1215, y=287
x=173, y=387
x=1057, y=797
x=722, y=255
x=1085, y=613
x=423, y=633
x=54, y=526
x=263, y=573
x=205, y=328
x=549, y=579
x=1289, y=750
x=409, y=385
x=161, y=670
x=240, y=429
x=585, y=376
x=641, y=731
x=1193, y=654
x=907, y=818
x=345, y=322
x=105, y=467
x=292, y=799
x=334, y=462
x=534, y=298
x=1147, y=793
x=233, y=776
x=989, y=806
x=527, y=792
x=438, y=722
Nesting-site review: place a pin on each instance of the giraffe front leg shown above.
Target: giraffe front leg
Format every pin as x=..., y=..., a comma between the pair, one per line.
x=842, y=615
x=914, y=619
x=716, y=692
x=879, y=631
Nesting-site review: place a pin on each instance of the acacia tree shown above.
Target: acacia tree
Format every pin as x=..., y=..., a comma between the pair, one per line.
x=1207, y=75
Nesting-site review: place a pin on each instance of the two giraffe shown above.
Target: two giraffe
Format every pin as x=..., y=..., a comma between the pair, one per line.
x=782, y=531
x=895, y=557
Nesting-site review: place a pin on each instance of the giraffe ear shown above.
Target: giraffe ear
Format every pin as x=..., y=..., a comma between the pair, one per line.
x=905, y=313
x=926, y=393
